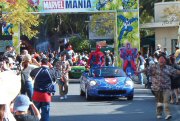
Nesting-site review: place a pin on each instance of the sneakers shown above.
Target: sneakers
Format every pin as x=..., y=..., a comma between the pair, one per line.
x=159, y=116
x=168, y=117
x=63, y=97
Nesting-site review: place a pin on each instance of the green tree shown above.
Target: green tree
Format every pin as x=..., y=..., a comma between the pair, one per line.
x=59, y=26
x=146, y=9
x=16, y=12
x=101, y=24
x=79, y=44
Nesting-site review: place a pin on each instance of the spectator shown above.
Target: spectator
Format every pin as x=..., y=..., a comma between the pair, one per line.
x=43, y=77
x=42, y=55
x=27, y=68
x=174, y=82
x=25, y=52
x=166, y=52
x=158, y=50
x=64, y=82
x=4, y=63
x=161, y=84
x=19, y=59
x=177, y=54
x=2, y=111
x=140, y=66
x=5, y=114
x=80, y=62
x=113, y=58
x=21, y=112
x=108, y=59
x=69, y=52
x=11, y=55
x=10, y=52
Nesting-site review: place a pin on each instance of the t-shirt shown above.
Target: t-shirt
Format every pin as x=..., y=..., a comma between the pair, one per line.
x=27, y=71
x=26, y=117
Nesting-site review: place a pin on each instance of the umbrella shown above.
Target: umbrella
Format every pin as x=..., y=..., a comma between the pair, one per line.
x=10, y=85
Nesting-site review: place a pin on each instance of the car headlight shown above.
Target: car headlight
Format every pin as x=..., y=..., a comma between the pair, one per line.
x=129, y=83
x=93, y=83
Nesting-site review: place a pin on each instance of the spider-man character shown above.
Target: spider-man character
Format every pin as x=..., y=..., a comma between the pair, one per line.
x=96, y=58
x=127, y=25
x=128, y=55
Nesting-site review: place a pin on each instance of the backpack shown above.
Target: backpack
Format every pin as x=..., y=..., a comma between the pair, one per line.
x=45, y=81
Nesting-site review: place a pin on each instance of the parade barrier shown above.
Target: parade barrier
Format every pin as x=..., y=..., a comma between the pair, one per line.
x=10, y=85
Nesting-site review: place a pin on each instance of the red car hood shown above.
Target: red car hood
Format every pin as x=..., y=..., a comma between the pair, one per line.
x=111, y=80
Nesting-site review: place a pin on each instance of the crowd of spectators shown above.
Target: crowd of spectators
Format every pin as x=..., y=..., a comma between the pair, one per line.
x=25, y=63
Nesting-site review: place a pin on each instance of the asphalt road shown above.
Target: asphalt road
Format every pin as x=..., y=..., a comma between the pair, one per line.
x=76, y=108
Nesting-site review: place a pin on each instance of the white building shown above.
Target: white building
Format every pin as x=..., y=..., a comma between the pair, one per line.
x=166, y=26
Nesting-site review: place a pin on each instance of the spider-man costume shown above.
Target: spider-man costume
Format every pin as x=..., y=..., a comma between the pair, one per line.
x=128, y=55
x=96, y=58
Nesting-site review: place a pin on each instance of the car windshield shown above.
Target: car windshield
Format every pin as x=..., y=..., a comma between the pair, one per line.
x=107, y=72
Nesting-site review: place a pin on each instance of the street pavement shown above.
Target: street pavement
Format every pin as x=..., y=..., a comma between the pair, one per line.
x=76, y=108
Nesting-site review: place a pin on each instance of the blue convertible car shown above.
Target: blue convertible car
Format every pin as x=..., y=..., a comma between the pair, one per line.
x=106, y=82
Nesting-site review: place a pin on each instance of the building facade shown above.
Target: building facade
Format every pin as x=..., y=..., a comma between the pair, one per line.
x=166, y=25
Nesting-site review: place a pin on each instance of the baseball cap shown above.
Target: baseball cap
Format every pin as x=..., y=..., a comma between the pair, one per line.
x=21, y=103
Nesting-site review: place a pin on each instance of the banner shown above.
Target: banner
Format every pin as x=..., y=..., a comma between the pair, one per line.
x=128, y=28
x=55, y=6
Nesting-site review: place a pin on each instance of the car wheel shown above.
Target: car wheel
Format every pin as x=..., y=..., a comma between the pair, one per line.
x=130, y=97
x=82, y=93
x=87, y=96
